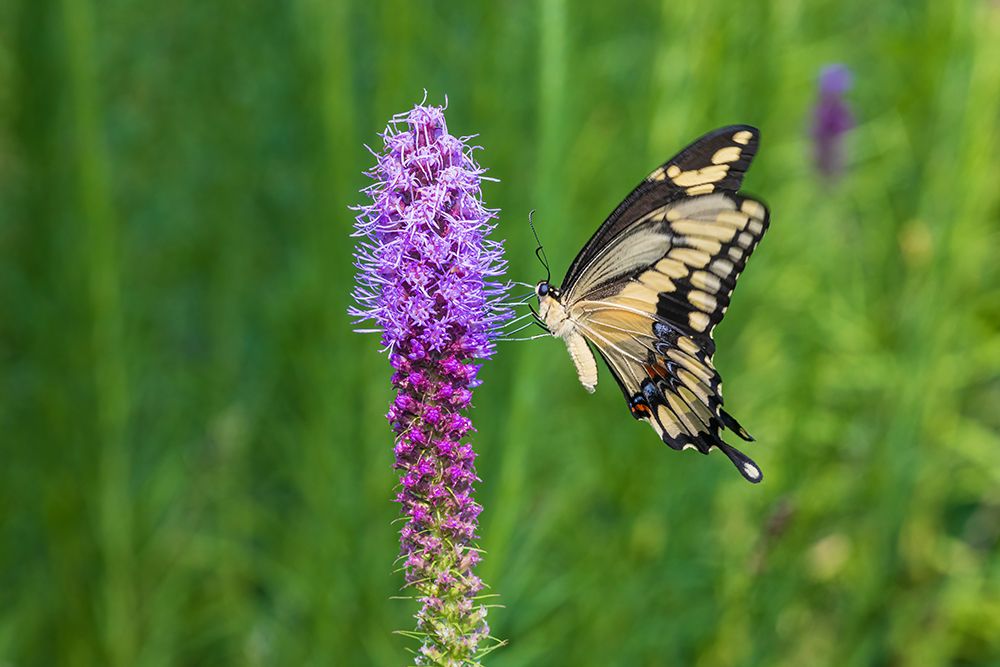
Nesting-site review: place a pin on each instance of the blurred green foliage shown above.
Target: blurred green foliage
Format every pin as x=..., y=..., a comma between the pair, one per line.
x=196, y=466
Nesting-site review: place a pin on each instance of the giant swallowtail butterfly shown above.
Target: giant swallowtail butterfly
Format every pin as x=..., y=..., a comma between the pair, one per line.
x=652, y=283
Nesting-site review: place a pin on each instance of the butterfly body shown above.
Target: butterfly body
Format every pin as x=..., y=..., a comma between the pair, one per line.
x=648, y=288
x=558, y=321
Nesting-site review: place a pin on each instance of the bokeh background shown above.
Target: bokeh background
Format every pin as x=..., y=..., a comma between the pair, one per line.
x=196, y=467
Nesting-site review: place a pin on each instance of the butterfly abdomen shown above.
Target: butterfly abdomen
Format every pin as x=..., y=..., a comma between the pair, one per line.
x=583, y=359
x=558, y=322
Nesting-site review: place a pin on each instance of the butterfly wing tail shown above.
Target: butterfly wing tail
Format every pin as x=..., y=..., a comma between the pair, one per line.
x=730, y=422
x=744, y=464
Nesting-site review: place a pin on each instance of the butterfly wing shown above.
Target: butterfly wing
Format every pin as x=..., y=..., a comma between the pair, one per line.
x=715, y=162
x=648, y=300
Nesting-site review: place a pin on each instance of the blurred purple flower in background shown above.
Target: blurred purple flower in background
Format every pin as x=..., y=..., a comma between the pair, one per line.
x=832, y=119
x=427, y=278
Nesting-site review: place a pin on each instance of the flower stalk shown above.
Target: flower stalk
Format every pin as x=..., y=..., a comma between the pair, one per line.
x=427, y=277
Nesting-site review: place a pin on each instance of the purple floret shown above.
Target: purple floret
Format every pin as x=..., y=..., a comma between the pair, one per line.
x=832, y=119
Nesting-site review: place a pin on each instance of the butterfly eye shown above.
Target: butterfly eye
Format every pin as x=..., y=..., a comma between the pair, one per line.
x=542, y=289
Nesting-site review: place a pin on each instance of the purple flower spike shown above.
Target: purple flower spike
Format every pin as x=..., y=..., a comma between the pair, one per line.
x=427, y=277
x=832, y=118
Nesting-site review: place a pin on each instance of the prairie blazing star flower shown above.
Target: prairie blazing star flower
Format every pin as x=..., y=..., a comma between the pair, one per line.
x=427, y=277
x=832, y=118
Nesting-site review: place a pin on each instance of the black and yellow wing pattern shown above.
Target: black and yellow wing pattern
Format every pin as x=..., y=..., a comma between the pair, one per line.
x=656, y=278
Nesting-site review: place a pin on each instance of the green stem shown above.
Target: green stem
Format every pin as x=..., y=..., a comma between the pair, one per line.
x=93, y=198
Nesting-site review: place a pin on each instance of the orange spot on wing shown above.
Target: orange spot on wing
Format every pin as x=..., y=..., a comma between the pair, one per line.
x=641, y=409
x=656, y=371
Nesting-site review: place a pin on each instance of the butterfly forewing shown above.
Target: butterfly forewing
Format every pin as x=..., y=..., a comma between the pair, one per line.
x=679, y=264
x=715, y=162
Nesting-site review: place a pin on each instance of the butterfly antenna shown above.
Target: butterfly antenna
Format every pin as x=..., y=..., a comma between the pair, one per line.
x=539, y=251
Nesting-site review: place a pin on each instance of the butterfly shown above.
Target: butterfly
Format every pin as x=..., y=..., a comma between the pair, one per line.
x=649, y=287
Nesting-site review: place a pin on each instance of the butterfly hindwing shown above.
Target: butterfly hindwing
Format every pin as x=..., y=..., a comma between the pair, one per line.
x=679, y=393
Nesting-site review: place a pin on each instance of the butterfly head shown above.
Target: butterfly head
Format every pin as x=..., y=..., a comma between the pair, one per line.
x=551, y=311
x=544, y=290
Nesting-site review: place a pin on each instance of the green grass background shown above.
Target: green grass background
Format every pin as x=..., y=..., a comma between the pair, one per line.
x=195, y=465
